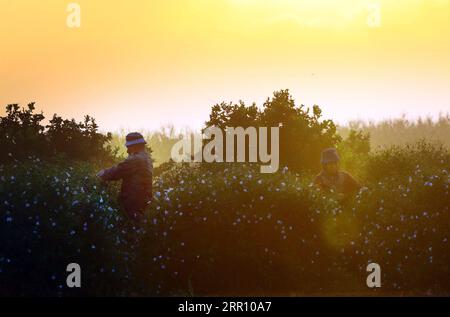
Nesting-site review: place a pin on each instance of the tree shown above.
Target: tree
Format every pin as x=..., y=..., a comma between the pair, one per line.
x=303, y=135
x=22, y=134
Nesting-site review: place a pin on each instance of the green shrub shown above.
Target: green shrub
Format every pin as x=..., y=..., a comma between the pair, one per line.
x=221, y=229
x=22, y=134
x=53, y=215
x=354, y=151
x=402, y=161
x=303, y=132
x=230, y=230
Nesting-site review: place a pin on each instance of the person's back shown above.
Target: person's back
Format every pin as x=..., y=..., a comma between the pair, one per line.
x=136, y=188
x=136, y=175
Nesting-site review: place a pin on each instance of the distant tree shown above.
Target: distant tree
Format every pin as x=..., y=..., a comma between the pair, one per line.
x=357, y=142
x=303, y=135
x=20, y=131
x=22, y=134
x=354, y=150
x=79, y=140
x=233, y=115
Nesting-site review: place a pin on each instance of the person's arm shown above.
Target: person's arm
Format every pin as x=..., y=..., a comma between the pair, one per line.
x=117, y=172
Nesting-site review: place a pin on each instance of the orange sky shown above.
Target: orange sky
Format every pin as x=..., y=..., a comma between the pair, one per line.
x=140, y=64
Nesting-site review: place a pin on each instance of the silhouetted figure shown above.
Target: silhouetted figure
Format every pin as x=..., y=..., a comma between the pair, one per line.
x=136, y=175
x=332, y=178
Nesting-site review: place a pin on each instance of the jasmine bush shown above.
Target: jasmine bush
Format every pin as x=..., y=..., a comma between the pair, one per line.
x=222, y=229
x=53, y=215
x=218, y=229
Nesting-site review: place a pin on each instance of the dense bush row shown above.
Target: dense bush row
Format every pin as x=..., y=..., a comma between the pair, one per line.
x=53, y=215
x=227, y=229
x=250, y=234
x=221, y=228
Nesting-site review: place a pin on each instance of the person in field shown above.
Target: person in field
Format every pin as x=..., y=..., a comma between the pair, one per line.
x=136, y=175
x=331, y=178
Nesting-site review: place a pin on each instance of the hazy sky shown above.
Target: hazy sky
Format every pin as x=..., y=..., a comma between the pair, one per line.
x=140, y=64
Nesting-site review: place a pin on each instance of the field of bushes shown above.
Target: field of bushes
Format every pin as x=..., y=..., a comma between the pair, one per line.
x=223, y=229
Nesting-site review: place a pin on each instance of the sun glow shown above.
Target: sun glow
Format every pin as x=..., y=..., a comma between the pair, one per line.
x=171, y=60
x=310, y=13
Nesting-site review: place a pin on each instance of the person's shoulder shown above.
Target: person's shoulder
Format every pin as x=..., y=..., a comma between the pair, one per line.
x=344, y=173
x=349, y=177
x=318, y=178
x=131, y=159
x=143, y=157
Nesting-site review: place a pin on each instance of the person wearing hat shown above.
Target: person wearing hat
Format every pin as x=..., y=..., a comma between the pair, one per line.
x=136, y=175
x=332, y=178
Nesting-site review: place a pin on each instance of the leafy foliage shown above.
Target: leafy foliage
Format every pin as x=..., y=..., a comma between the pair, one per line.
x=354, y=151
x=225, y=229
x=403, y=161
x=221, y=229
x=22, y=134
x=303, y=135
x=53, y=215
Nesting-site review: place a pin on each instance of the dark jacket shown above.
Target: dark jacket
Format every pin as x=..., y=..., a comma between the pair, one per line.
x=342, y=182
x=136, y=175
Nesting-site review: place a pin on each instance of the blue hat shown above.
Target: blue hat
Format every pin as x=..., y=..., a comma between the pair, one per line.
x=134, y=138
x=329, y=155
